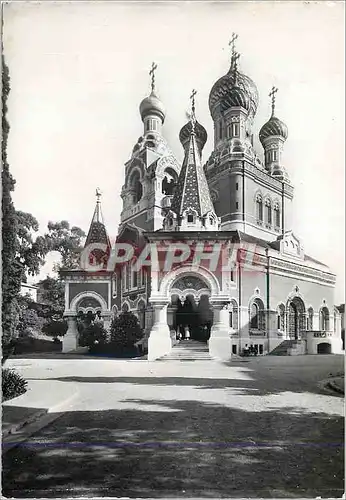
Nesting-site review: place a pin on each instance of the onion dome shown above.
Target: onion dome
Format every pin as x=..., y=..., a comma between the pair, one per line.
x=273, y=127
x=225, y=93
x=236, y=98
x=152, y=105
x=200, y=133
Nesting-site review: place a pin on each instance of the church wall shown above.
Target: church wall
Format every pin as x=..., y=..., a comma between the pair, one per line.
x=250, y=280
x=100, y=288
x=312, y=293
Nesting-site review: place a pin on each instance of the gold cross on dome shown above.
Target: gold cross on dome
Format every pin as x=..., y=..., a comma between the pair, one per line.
x=232, y=42
x=152, y=74
x=272, y=95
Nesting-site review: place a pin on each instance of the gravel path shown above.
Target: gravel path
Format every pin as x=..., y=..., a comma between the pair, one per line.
x=253, y=428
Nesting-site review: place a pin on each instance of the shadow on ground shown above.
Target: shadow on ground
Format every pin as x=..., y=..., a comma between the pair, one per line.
x=180, y=449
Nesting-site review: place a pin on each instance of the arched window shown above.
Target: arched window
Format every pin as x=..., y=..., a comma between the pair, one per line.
x=277, y=215
x=259, y=208
x=136, y=186
x=268, y=211
x=281, y=318
x=310, y=319
x=324, y=319
x=257, y=318
x=125, y=308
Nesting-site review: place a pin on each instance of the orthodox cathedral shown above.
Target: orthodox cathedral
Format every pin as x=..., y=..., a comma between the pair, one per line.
x=270, y=295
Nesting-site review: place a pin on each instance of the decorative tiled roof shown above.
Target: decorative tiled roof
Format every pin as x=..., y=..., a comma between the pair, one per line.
x=98, y=233
x=192, y=191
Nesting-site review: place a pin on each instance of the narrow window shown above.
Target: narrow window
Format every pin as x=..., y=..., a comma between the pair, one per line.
x=231, y=319
x=234, y=349
x=259, y=208
x=261, y=348
x=134, y=279
x=232, y=275
x=236, y=205
x=235, y=129
x=220, y=130
x=236, y=186
x=269, y=213
x=190, y=218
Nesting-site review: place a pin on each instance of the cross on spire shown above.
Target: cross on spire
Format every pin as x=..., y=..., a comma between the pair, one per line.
x=273, y=97
x=235, y=58
x=98, y=195
x=152, y=74
x=192, y=97
x=231, y=43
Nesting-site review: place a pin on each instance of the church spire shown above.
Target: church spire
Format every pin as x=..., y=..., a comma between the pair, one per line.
x=191, y=208
x=97, y=230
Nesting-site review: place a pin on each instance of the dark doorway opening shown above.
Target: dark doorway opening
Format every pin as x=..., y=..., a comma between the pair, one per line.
x=198, y=317
x=324, y=348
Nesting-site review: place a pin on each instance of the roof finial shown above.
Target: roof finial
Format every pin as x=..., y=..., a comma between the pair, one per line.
x=272, y=95
x=98, y=195
x=193, y=109
x=152, y=74
x=231, y=43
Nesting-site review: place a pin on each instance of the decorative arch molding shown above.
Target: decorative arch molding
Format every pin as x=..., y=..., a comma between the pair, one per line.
x=187, y=270
x=295, y=293
x=258, y=196
x=141, y=304
x=324, y=303
x=125, y=306
x=132, y=171
x=85, y=295
x=256, y=295
x=115, y=311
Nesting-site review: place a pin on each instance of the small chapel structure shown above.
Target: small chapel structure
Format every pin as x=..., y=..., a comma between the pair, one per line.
x=271, y=294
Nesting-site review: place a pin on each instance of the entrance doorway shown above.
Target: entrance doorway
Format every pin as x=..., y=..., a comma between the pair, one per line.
x=197, y=316
x=296, y=318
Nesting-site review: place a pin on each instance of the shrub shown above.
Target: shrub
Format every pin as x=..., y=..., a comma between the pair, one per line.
x=55, y=328
x=13, y=384
x=125, y=331
x=93, y=334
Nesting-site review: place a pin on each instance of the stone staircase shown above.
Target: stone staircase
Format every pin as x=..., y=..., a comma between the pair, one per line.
x=289, y=348
x=188, y=350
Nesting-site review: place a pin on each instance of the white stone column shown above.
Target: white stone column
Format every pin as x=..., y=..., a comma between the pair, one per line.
x=220, y=342
x=244, y=323
x=159, y=342
x=70, y=340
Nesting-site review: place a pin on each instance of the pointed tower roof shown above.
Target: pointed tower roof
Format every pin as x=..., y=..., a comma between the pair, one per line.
x=97, y=231
x=192, y=191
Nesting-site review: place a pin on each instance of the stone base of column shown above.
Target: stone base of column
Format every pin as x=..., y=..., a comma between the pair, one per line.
x=159, y=342
x=220, y=348
x=70, y=340
x=69, y=343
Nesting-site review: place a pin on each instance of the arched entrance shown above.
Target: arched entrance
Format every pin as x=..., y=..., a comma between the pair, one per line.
x=295, y=318
x=191, y=308
x=324, y=348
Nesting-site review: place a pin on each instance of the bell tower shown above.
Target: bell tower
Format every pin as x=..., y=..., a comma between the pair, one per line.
x=152, y=171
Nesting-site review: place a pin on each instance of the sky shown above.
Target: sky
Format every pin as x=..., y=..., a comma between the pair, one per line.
x=79, y=71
